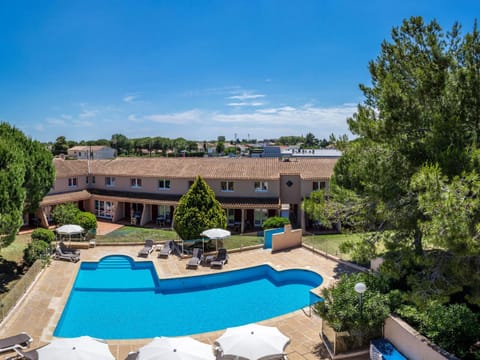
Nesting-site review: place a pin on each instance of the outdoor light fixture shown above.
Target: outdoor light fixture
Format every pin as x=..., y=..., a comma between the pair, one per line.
x=360, y=288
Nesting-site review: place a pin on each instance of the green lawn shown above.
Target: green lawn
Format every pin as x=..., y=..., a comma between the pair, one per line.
x=330, y=242
x=128, y=234
x=14, y=251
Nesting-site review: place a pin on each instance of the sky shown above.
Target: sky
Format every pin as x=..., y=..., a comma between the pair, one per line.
x=199, y=69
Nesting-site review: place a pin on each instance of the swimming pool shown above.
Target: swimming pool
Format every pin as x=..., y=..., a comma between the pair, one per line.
x=118, y=298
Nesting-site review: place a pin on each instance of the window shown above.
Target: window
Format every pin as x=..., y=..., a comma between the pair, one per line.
x=164, y=184
x=261, y=186
x=319, y=185
x=104, y=209
x=230, y=217
x=72, y=182
x=136, y=182
x=109, y=181
x=86, y=179
x=259, y=216
x=226, y=186
x=93, y=179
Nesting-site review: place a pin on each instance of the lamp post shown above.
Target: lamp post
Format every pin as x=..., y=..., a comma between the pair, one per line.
x=360, y=288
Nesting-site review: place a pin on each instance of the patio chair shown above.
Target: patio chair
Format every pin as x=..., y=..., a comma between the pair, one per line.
x=147, y=248
x=60, y=255
x=196, y=258
x=21, y=341
x=166, y=249
x=221, y=258
x=67, y=250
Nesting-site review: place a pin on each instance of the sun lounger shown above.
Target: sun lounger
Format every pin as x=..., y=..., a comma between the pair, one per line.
x=25, y=355
x=67, y=250
x=147, y=248
x=60, y=255
x=133, y=355
x=221, y=258
x=166, y=249
x=19, y=341
x=196, y=258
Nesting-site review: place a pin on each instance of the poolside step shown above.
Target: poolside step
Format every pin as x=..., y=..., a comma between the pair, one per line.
x=114, y=263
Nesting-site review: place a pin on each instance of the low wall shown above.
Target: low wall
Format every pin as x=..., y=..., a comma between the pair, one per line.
x=410, y=343
x=287, y=239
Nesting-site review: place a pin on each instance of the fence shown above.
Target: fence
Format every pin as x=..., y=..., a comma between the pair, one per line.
x=17, y=291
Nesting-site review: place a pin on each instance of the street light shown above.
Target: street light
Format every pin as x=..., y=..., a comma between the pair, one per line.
x=360, y=288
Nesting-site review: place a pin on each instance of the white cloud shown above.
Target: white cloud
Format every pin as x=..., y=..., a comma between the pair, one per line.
x=82, y=123
x=185, y=117
x=130, y=98
x=264, y=123
x=246, y=95
x=133, y=117
x=88, y=114
x=245, y=103
x=55, y=121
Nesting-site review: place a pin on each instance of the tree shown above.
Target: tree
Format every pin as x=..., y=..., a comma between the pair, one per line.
x=310, y=141
x=26, y=176
x=198, y=210
x=120, y=143
x=64, y=214
x=220, y=148
x=60, y=146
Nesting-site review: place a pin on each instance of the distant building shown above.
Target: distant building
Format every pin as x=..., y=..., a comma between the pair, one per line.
x=312, y=153
x=289, y=152
x=95, y=152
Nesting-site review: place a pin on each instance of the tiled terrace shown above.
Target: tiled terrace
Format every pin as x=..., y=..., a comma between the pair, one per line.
x=42, y=307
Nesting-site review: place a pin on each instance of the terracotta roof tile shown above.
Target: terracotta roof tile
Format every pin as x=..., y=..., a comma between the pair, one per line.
x=65, y=197
x=208, y=168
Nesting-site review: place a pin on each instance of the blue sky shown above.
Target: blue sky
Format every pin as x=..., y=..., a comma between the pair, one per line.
x=195, y=69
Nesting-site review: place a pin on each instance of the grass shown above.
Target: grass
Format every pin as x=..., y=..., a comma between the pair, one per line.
x=330, y=243
x=132, y=234
x=14, y=251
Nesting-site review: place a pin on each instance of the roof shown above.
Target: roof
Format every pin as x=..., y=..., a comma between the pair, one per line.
x=89, y=148
x=207, y=168
x=65, y=197
x=67, y=168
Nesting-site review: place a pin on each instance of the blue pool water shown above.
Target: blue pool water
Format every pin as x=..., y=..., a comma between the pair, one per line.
x=118, y=298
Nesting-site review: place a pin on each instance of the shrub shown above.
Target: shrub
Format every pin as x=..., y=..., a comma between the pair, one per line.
x=44, y=235
x=275, y=222
x=453, y=327
x=342, y=310
x=86, y=220
x=37, y=249
x=64, y=214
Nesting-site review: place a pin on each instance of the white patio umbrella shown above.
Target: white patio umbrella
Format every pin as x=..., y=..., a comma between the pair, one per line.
x=79, y=348
x=175, y=348
x=216, y=234
x=69, y=230
x=253, y=342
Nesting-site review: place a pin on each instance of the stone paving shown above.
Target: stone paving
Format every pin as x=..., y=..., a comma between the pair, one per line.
x=41, y=308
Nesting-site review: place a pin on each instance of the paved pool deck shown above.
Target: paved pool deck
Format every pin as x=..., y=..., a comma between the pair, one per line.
x=42, y=306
